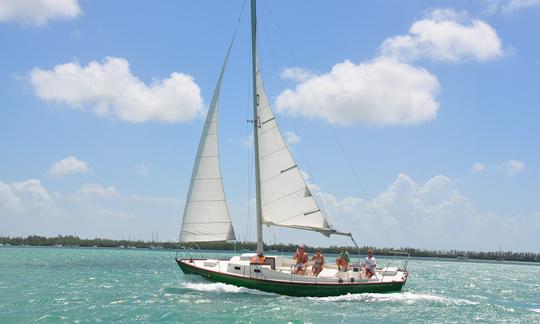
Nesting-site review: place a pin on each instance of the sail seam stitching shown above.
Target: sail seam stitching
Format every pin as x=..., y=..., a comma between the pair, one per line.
x=273, y=152
x=297, y=215
x=282, y=197
x=206, y=178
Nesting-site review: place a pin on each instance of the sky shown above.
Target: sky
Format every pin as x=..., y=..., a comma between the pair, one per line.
x=415, y=123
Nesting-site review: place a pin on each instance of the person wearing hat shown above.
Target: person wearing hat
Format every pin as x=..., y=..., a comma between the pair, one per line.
x=301, y=258
x=369, y=265
x=343, y=260
x=318, y=262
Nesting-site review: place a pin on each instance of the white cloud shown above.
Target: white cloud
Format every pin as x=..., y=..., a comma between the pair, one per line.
x=292, y=138
x=8, y=198
x=23, y=196
x=91, y=191
x=509, y=168
x=514, y=167
x=38, y=12
x=491, y=6
x=94, y=210
x=478, y=167
x=110, y=90
x=516, y=5
x=382, y=92
x=430, y=215
x=296, y=74
x=448, y=36
x=69, y=165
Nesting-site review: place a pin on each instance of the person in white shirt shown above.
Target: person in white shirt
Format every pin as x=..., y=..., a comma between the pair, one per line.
x=369, y=265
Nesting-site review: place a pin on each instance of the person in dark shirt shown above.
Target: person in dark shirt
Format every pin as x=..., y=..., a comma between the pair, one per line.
x=343, y=260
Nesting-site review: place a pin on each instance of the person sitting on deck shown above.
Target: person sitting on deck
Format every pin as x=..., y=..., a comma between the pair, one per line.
x=301, y=258
x=318, y=262
x=369, y=265
x=343, y=260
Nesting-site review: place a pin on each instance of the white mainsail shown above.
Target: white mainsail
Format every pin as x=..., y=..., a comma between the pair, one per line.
x=285, y=198
x=206, y=215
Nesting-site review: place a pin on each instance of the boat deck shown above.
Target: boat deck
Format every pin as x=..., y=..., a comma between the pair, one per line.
x=278, y=268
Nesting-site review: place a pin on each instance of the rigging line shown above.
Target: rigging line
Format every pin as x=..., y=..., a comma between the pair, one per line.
x=302, y=151
x=238, y=23
x=330, y=127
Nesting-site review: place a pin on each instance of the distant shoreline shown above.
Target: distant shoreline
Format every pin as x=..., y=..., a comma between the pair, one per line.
x=75, y=241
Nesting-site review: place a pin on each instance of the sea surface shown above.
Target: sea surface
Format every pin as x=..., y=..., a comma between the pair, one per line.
x=130, y=285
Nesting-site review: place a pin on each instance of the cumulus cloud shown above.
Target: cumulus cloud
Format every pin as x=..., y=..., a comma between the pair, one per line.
x=69, y=165
x=110, y=90
x=292, y=138
x=38, y=12
x=28, y=208
x=516, y=5
x=383, y=91
x=509, y=168
x=23, y=196
x=478, y=167
x=448, y=36
x=296, y=74
x=430, y=215
x=514, y=167
x=96, y=191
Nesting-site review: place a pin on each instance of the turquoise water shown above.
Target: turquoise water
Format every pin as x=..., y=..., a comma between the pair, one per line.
x=117, y=285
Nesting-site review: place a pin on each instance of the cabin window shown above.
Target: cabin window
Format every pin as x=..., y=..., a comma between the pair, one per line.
x=236, y=268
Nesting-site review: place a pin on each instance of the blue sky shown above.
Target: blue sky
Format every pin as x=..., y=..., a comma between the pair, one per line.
x=436, y=105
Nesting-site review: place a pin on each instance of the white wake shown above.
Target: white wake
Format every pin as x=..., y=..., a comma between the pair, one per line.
x=222, y=288
x=407, y=297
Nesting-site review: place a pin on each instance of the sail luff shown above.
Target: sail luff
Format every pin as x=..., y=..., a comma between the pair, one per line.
x=206, y=215
x=254, y=66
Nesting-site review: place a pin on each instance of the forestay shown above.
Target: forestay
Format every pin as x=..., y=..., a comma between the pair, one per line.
x=285, y=198
x=206, y=215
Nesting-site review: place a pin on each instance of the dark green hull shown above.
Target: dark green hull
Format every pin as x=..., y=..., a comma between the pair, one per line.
x=292, y=288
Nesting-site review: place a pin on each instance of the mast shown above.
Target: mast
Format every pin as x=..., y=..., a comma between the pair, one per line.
x=256, y=125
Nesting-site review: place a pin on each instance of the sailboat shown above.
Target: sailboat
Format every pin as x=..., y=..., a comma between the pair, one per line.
x=282, y=199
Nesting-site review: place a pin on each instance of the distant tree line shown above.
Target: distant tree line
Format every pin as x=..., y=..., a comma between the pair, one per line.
x=75, y=241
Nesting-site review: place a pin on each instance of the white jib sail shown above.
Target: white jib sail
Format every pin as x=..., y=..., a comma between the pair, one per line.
x=206, y=215
x=285, y=198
